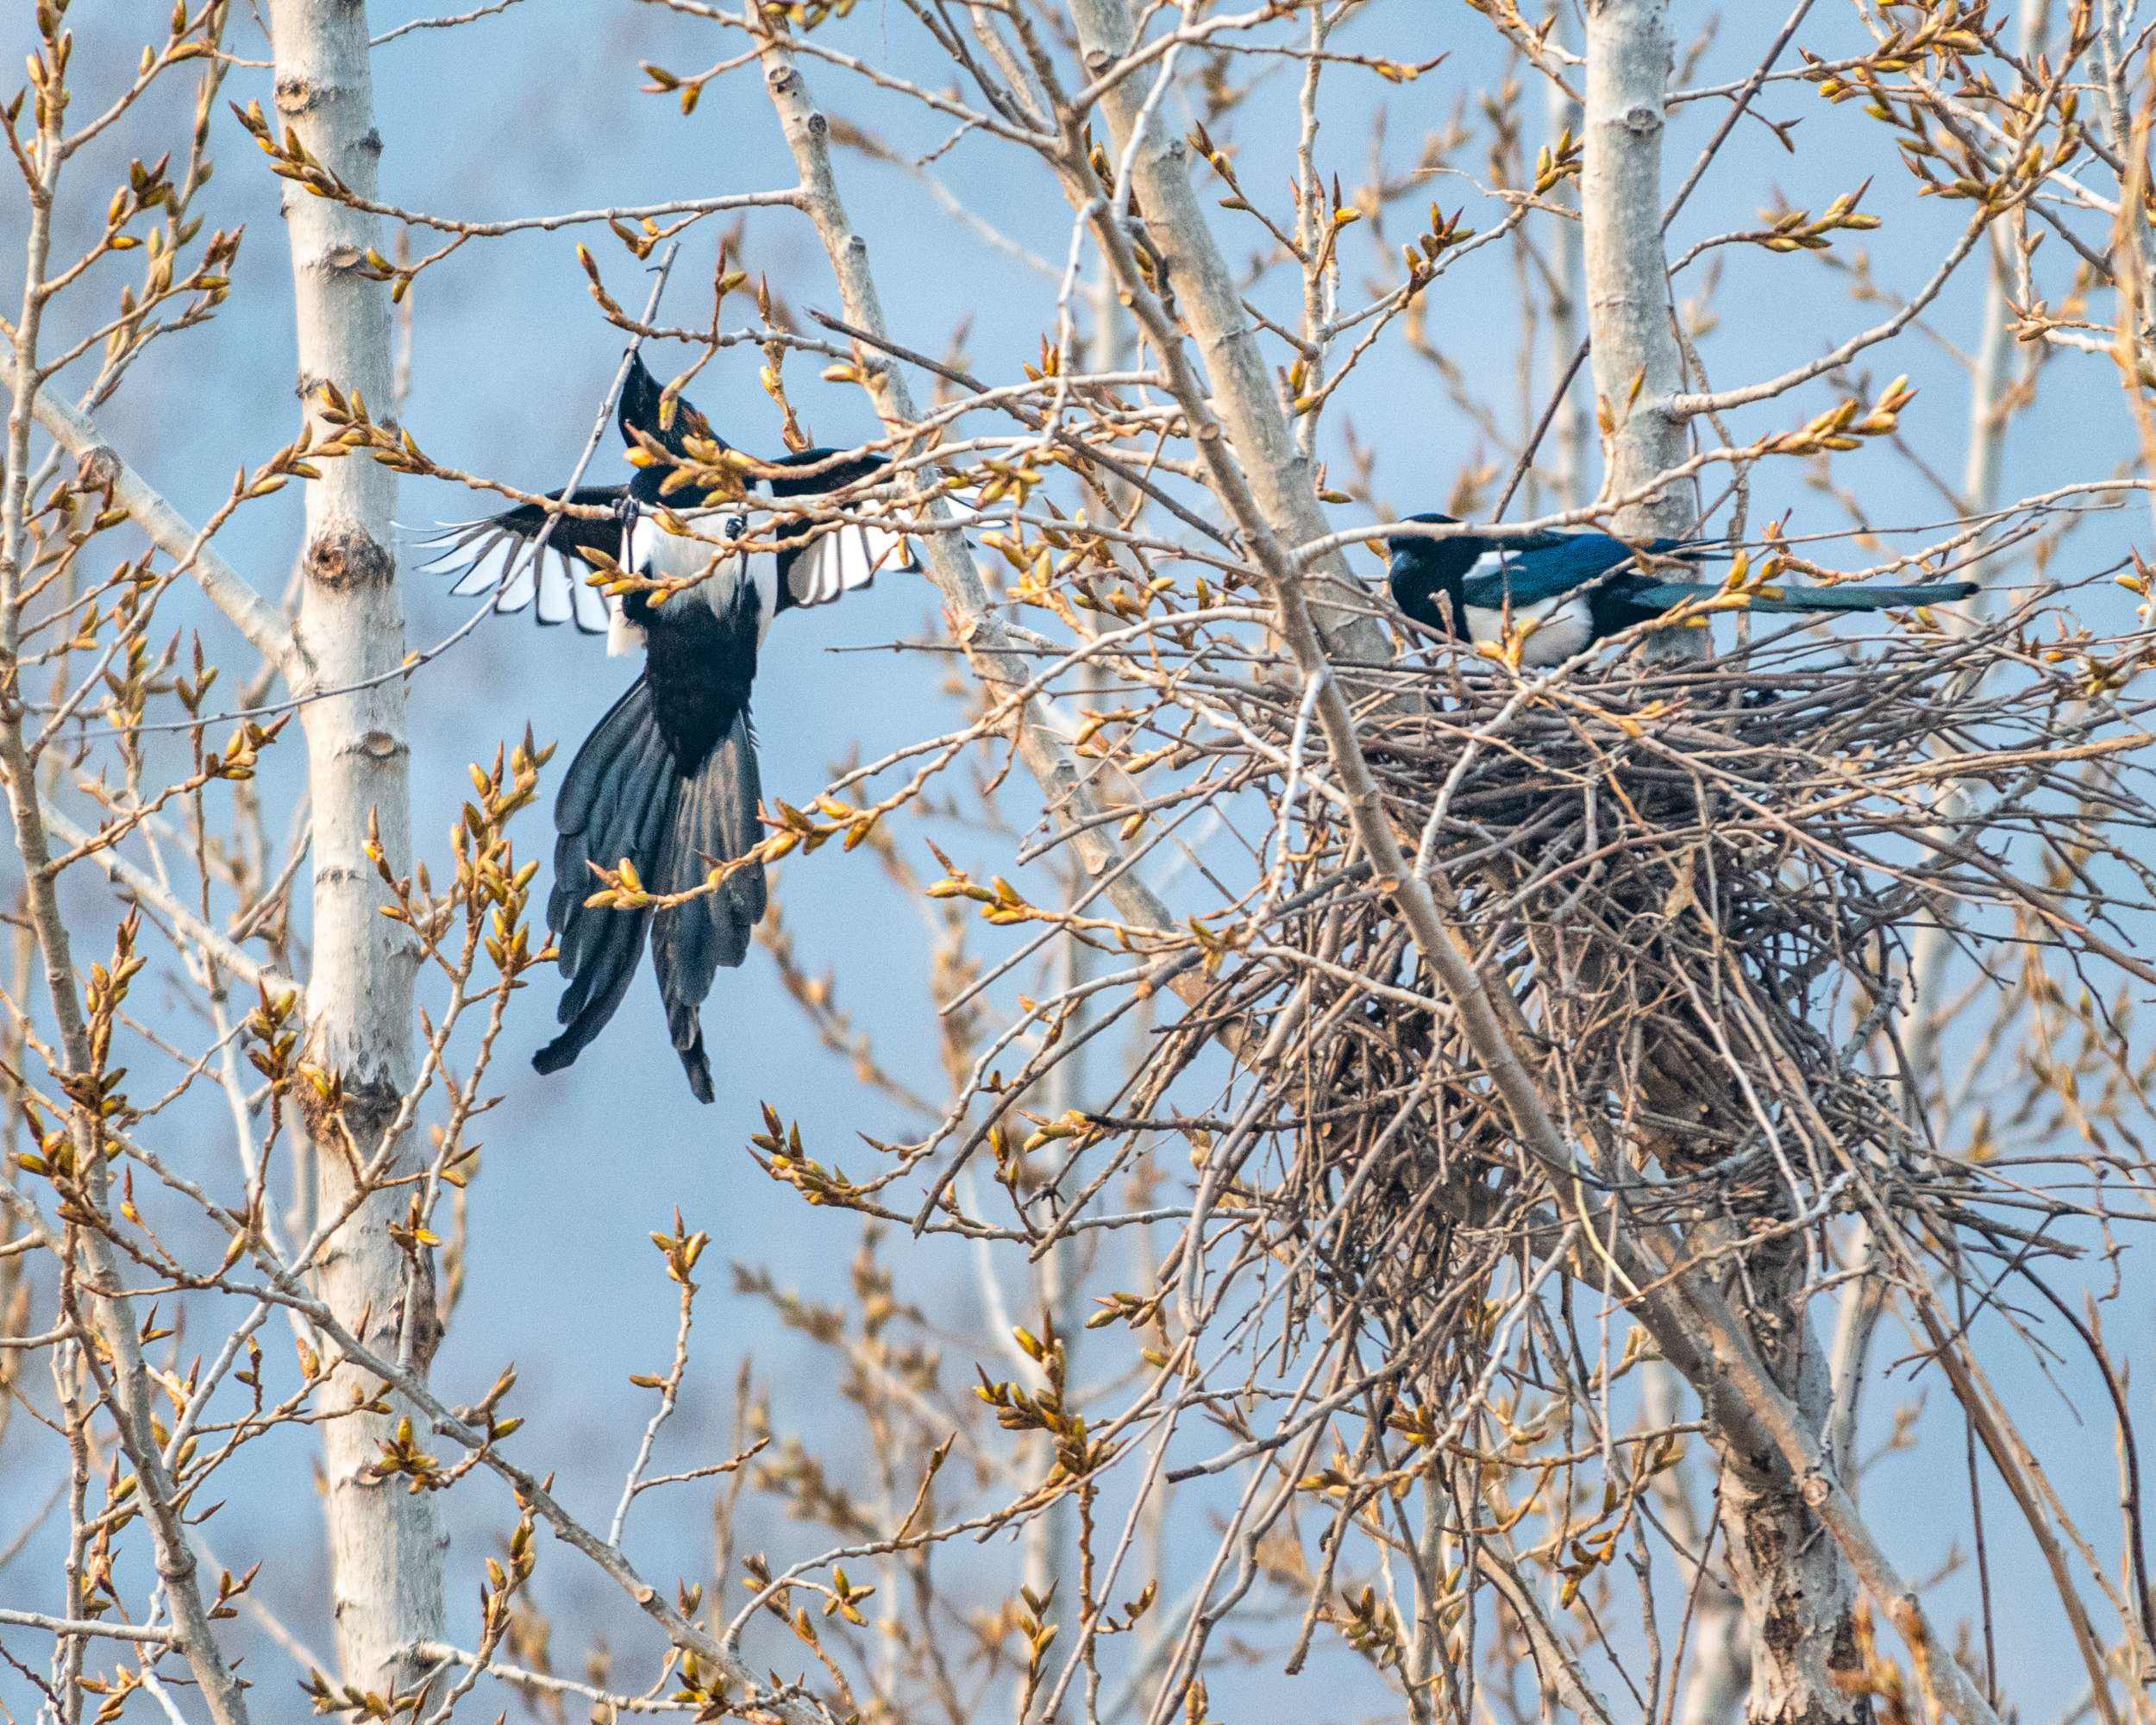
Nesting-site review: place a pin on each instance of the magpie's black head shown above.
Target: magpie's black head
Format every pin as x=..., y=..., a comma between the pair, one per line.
x=1421, y=569
x=641, y=395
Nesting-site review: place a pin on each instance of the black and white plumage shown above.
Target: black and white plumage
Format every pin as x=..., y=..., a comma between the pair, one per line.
x=668, y=781
x=1555, y=594
x=481, y=554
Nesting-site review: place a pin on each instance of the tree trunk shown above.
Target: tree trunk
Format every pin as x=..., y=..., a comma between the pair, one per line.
x=386, y=1549
x=1637, y=367
x=1202, y=290
x=1797, y=1596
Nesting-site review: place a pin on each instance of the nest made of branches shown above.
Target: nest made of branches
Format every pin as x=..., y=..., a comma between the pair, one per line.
x=1699, y=887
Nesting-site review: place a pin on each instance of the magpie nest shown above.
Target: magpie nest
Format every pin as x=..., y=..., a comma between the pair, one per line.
x=1698, y=889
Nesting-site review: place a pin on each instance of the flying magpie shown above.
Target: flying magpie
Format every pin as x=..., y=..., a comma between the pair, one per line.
x=1560, y=592
x=668, y=781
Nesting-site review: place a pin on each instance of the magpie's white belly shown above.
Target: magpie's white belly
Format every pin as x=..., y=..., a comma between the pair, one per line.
x=1549, y=633
x=654, y=552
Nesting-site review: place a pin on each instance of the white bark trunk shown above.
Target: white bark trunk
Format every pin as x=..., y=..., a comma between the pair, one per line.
x=386, y=1549
x=1797, y=1594
x=1799, y=1598
x=1637, y=371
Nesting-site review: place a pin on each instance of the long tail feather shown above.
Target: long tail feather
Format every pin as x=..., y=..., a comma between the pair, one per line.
x=1664, y=595
x=625, y=797
x=714, y=820
x=615, y=803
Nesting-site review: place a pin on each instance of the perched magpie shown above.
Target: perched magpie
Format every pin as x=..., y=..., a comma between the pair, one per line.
x=668, y=778
x=1560, y=592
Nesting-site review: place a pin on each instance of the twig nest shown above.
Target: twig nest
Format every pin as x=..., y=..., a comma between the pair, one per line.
x=1691, y=891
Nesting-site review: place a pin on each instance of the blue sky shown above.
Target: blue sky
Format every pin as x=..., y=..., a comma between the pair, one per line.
x=540, y=110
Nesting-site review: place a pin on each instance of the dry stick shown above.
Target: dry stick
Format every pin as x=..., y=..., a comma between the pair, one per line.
x=122, y=1377
x=1728, y=1376
x=1737, y=107
x=1737, y=110
x=249, y=612
x=988, y=644
x=386, y=1545
x=1552, y=1656
x=541, y=1683
x=149, y=1634
x=146, y=887
x=1722, y=401
x=1033, y=417
x=1240, y=381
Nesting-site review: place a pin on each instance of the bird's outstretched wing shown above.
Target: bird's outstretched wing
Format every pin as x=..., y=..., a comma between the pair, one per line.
x=493, y=554
x=819, y=564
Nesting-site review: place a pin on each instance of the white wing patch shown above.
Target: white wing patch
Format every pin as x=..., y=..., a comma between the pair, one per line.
x=622, y=636
x=487, y=557
x=843, y=561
